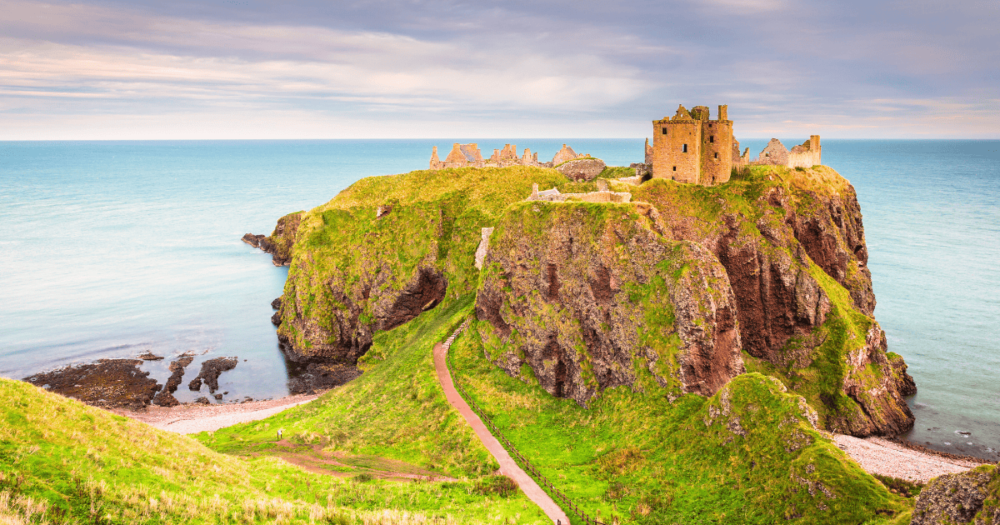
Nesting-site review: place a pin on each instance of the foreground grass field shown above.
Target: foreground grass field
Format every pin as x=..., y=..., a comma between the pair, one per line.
x=64, y=462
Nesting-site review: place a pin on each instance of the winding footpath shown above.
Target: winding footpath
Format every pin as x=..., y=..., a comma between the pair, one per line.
x=508, y=466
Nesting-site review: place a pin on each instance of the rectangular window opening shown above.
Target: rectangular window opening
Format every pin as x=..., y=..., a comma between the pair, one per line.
x=675, y=168
x=664, y=130
x=716, y=155
x=685, y=149
x=711, y=139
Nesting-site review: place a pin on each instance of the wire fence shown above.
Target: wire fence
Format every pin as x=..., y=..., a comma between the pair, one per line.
x=516, y=454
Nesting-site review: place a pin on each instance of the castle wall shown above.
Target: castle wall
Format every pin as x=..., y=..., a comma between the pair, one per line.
x=774, y=154
x=806, y=155
x=670, y=161
x=717, y=151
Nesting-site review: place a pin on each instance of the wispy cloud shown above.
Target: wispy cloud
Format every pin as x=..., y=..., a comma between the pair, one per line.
x=549, y=68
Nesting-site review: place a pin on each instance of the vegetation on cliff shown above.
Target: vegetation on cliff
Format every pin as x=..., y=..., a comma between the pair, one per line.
x=387, y=248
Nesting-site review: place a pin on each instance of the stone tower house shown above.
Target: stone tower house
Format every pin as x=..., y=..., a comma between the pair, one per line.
x=689, y=147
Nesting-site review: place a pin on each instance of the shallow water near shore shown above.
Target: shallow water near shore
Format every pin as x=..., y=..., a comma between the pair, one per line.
x=112, y=249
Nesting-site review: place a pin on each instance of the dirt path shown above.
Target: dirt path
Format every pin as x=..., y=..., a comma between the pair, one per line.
x=191, y=419
x=883, y=457
x=507, y=465
x=340, y=464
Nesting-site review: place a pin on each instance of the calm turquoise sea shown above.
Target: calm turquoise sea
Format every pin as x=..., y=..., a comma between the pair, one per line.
x=110, y=249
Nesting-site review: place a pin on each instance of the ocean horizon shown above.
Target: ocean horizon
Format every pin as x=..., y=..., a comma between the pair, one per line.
x=115, y=248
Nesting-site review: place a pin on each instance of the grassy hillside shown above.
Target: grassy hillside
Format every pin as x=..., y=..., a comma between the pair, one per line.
x=64, y=462
x=746, y=455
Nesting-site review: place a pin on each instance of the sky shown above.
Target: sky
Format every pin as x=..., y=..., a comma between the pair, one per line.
x=253, y=69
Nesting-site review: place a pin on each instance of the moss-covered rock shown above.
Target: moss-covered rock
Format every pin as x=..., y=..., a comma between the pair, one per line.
x=971, y=497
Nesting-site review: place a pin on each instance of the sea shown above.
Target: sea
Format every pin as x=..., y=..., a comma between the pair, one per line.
x=114, y=249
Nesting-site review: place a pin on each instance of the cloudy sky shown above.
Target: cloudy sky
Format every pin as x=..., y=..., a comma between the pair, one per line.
x=212, y=69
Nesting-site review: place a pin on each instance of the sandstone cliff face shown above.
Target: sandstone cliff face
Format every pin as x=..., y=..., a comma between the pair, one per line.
x=786, y=242
x=578, y=295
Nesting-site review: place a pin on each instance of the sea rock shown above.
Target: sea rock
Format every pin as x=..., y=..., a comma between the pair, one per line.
x=165, y=397
x=210, y=372
x=579, y=298
x=276, y=304
x=279, y=243
x=582, y=169
x=108, y=383
x=969, y=497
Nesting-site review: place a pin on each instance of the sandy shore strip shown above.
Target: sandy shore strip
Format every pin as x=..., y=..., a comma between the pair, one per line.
x=884, y=457
x=193, y=418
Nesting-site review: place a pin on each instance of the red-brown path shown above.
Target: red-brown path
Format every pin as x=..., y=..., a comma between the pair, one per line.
x=507, y=465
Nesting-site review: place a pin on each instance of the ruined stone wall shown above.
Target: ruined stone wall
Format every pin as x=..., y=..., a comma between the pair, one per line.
x=563, y=155
x=717, y=152
x=806, y=155
x=774, y=153
x=670, y=139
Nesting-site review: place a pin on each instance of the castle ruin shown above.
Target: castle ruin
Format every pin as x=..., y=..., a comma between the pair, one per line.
x=691, y=147
x=687, y=147
x=469, y=156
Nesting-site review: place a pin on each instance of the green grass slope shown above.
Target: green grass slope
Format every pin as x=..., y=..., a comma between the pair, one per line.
x=745, y=455
x=64, y=462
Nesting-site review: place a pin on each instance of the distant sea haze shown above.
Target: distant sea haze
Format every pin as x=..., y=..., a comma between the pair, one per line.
x=112, y=249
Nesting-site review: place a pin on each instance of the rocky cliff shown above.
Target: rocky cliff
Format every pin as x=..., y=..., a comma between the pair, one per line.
x=696, y=284
x=580, y=294
x=792, y=244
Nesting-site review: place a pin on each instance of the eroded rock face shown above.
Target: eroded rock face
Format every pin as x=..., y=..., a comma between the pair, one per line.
x=279, y=243
x=553, y=296
x=958, y=499
x=784, y=313
x=349, y=333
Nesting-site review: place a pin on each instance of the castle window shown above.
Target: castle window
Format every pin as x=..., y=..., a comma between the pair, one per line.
x=711, y=139
x=675, y=168
x=685, y=148
x=664, y=130
x=716, y=155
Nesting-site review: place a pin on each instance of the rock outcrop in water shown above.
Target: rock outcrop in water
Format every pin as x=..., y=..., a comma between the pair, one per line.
x=210, y=372
x=108, y=383
x=279, y=243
